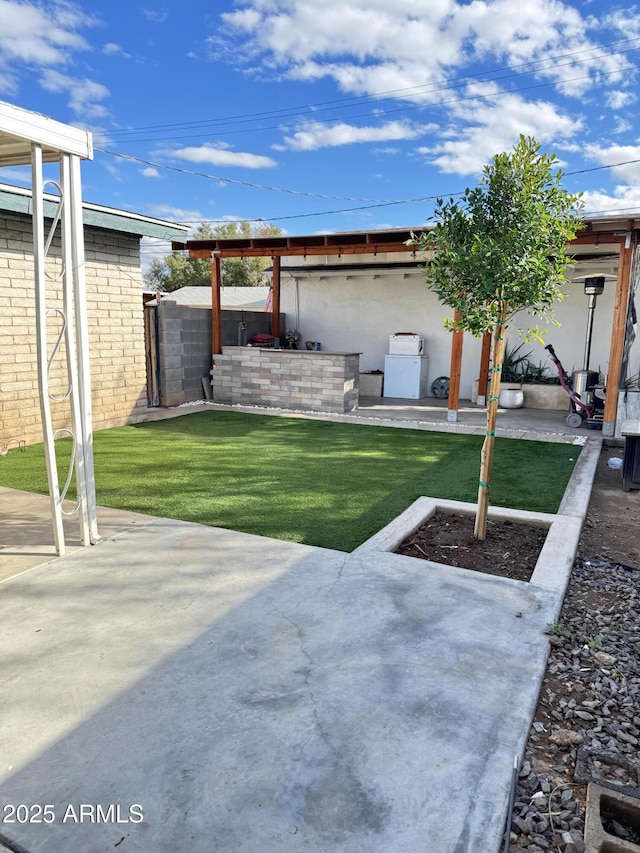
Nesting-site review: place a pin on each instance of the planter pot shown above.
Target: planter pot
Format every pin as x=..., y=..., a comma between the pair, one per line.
x=371, y=384
x=545, y=397
x=506, y=400
x=511, y=398
x=628, y=409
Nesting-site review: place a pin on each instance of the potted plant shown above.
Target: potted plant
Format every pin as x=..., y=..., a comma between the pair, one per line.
x=629, y=400
x=513, y=367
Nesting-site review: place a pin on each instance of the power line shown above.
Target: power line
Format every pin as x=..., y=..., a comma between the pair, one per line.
x=392, y=94
x=374, y=202
x=494, y=96
x=246, y=183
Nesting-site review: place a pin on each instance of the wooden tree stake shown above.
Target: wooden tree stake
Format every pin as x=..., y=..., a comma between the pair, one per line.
x=486, y=459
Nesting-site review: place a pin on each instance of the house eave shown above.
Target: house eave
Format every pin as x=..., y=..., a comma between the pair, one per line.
x=18, y=200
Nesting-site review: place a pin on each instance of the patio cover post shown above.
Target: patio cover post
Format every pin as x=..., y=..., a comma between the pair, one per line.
x=73, y=224
x=617, y=336
x=27, y=137
x=454, y=373
x=483, y=378
x=275, y=306
x=41, y=342
x=216, y=313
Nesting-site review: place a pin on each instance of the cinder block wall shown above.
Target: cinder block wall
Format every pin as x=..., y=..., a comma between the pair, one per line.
x=184, y=343
x=116, y=331
x=287, y=379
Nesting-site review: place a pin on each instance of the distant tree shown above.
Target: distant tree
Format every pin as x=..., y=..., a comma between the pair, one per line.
x=501, y=250
x=176, y=270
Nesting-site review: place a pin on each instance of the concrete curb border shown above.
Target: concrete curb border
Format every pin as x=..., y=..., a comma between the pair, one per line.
x=553, y=568
x=552, y=571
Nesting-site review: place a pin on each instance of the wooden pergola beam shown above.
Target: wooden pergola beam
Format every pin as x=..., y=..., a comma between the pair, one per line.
x=294, y=251
x=275, y=306
x=617, y=338
x=356, y=243
x=216, y=312
x=483, y=378
x=454, y=373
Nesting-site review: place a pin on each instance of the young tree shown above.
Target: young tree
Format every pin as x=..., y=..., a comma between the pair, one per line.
x=175, y=270
x=500, y=250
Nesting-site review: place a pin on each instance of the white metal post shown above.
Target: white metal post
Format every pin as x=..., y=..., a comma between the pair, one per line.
x=82, y=341
x=41, y=333
x=71, y=349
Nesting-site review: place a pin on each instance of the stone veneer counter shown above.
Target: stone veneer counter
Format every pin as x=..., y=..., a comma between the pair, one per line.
x=285, y=378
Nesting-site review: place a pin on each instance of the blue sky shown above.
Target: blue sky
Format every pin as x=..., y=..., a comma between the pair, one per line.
x=314, y=114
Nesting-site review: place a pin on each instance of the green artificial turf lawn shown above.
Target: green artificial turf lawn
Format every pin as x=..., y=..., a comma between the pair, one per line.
x=317, y=482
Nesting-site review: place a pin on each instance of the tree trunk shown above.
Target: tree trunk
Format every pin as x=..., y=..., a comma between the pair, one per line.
x=486, y=460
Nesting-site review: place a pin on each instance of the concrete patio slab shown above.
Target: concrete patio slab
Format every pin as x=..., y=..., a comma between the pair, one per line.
x=251, y=695
x=186, y=688
x=26, y=539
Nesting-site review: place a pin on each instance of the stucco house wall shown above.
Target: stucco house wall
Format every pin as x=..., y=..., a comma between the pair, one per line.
x=357, y=310
x=116, y=330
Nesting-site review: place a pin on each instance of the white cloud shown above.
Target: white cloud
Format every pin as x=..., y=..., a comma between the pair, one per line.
x=622, y=126
x=112, y=49
x=156, y=16
x=17, y=175
x=321, y=135
x=84, y=95
x=8, y=82
x=624, y=198
x=618, y=99
x=43, y=35
x=485, y=128
x=39, y=36
x=625, y=21
x=610, y=155
x=221, y=155
x=151, y=172
x=372, y=46
x=175, y=214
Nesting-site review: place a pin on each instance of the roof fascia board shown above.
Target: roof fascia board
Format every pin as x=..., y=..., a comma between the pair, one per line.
x=344, y=243
x=297, y=251
x=25, y=127
x=595, y=230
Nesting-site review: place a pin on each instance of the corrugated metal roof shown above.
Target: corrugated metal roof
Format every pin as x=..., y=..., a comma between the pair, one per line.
x=230, y=297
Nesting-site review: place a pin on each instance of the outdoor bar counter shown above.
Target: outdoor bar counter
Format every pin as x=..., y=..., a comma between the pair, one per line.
x=286, y=378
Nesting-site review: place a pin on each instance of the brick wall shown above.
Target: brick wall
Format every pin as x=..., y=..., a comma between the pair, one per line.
x=287, y=379
x=116, y=331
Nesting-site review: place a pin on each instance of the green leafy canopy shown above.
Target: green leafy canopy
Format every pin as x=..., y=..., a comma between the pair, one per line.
x=502, y=248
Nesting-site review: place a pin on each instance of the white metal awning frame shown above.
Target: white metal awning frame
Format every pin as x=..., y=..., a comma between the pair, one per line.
x=29, y=138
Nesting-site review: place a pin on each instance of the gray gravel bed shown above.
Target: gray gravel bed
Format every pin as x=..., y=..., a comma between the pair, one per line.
x=587, y=722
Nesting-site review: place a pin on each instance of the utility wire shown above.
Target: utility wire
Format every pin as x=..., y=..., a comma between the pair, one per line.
x=158, y=250
x=494, y=96
x=249, y=183
x=392, y=94
x=374, y=202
